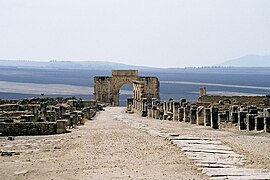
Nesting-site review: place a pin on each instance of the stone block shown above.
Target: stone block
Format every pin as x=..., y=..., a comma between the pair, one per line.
x=61, y=126
x=187, y=114
x=242, y=123
x=234, y=117
x=207, y=117
x=200, y=116
x=259, y=123
x=250, y=122
x=214, y=118
x=180, y=114
x=267, y=124
x=193, y=115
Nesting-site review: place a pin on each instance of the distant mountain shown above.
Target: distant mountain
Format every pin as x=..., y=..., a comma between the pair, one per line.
x=248, y=61
x=55, y=64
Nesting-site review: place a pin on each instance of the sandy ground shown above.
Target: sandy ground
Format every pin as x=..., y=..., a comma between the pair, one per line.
x=108, y=148
x=104, y=148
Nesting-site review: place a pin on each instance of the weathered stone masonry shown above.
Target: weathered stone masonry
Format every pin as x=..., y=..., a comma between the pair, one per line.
x=106, y=88
x=242, y=112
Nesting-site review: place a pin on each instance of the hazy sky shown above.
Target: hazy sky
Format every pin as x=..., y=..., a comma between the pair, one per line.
x=161, y=33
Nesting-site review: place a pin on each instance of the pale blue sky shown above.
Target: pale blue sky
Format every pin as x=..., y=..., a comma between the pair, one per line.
x=161, y=33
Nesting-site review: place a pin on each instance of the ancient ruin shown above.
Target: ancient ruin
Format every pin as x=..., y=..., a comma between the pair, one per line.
x=250, y=113
x=139, y=136
x=43, y=116
x=106, y=88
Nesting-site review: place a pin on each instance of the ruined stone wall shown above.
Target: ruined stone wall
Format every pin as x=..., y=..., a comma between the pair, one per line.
x=236, y=100
x=8, y=101
x=102, y=89
x=106, y=89
x=151, y=87
x=28, y=128
x=124, y=72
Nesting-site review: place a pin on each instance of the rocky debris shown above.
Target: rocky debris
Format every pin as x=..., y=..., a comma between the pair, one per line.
x=44, y=116
x=11, y=138
x=9, y=153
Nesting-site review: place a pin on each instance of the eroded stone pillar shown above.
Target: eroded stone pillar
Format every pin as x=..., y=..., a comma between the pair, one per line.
x=144, y=107
x=161, y=110
x=222, y=118
x=180, y=114
x=234, y=114
x=251, y=122
x=207, y=117
x=267, y=124
x=61, y=126
x=182, y=101
x=242, y=115
x=129, y=104
x=193, y=115
x=175, y=111
x=187, y=113
x=259, y=123
x=214, y=118
x=200, y=116
x=149, y=110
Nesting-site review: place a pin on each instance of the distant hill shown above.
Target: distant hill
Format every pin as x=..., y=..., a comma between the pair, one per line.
x=55, y=64
x=248, y=61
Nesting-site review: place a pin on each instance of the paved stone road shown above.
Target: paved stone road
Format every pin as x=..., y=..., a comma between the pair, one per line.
x=211, y=156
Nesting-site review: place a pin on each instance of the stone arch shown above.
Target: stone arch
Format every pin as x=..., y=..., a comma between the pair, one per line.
x=106, y=88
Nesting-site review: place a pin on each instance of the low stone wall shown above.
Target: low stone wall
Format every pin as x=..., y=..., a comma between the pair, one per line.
x=31, y=128
x=237, y=100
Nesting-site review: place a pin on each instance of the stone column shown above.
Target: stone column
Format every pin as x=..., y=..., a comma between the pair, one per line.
x=157, y=113
x=214, y=118
x=43, y=110
x=252, y=110
x=187, y=113
x=154, y=109
x=250, y=122
x=200, y=116
x=193, y=115
x=234, y=117
x=180, y=114
x=267, y=124
x=266, y=112
x=242, y=115
x=129, y=104
x=144, y=107
x=170, y=105
x=259, y=123
x=154, y=101
x=182, y=101
x=61, y=126
x=207, y=117
x=161, y=110
x=149, y=110
x=234, y=114
x=222, y=118
x=175, y=111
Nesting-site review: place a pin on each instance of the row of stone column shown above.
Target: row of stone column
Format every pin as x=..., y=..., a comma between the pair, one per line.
x=247, y=118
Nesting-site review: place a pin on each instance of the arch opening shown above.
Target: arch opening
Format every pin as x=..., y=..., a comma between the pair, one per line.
x=125, y=92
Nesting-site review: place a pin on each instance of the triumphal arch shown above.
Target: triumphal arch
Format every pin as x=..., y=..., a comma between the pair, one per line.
x=106, y=88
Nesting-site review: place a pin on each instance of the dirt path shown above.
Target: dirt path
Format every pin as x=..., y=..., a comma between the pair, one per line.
x=102, y=149
x=254, y=146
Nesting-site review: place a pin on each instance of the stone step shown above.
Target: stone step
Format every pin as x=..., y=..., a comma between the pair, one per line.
x=238, y=172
